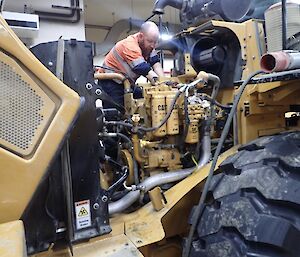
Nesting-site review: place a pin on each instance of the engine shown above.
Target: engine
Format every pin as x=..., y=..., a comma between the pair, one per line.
x=163, y=131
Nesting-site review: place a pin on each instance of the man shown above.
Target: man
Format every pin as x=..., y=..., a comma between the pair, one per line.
x=134, y=56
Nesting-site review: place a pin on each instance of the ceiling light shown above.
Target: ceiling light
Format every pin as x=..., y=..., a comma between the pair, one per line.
x=165, y=37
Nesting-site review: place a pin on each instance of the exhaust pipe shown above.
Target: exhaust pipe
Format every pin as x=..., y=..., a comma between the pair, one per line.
x=280, y=61
x=201, y=9
x=160, y=5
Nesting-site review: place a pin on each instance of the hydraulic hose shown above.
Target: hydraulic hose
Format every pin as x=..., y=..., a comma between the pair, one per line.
x=159, y=179
x=216, y=80
x=160, y=5
x=217, y=103
x=199, y=208
x=186, y=116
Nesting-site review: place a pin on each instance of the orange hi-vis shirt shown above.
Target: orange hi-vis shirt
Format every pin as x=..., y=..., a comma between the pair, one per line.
x=126, y=55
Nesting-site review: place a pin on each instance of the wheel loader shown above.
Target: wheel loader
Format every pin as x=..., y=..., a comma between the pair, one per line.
x=204, y=164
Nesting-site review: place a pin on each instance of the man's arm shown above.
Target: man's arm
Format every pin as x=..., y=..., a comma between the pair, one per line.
x=158, y=69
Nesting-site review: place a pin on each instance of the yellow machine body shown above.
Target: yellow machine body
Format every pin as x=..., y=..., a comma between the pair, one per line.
x=32, y=97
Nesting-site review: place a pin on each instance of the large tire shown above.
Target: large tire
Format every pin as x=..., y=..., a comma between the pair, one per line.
x=254, y=203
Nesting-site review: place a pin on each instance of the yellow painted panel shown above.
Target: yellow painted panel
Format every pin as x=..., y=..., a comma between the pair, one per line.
x=21, y=176
x=116, y=246
x=12, y=239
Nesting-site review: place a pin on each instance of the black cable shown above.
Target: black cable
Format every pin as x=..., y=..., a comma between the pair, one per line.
x=206, y=97
x=126, y=138
x=116, y=185
x=149, y=18
x=179, y=92
x=120, y=123
x=199, y=208
x=186, y=118
x=1, y=5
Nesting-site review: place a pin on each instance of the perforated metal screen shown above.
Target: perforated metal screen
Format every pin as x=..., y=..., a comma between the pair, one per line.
x=22, y=110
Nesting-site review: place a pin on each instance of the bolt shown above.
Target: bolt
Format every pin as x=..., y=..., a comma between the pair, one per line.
x=98, y=92
x=96, y=206
x=50, y=64
x=104, y=198
x=88, y=86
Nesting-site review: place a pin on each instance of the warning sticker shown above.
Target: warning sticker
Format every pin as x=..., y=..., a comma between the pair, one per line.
x=83, y=214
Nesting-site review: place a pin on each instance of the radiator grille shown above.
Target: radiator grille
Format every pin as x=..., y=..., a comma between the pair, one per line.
x=20, y=108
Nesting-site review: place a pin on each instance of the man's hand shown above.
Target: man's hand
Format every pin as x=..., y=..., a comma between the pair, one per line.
x=152, y=76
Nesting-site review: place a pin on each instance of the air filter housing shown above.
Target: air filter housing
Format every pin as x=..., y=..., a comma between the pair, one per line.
x=273, y=17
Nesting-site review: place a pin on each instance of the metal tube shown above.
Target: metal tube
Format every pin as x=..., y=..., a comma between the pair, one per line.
x=118, y=76
x=161, y=56
x=160, y=5
x=206, y=149
x=75, y=12
x=216, y=80
x=280, y=61
x=136, y=149
x=159, y=179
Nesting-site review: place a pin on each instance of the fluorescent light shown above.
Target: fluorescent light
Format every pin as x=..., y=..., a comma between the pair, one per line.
x=165, y=37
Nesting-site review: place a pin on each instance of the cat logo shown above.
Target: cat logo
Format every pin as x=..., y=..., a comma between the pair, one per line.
x=83, y=212
x=161, y=107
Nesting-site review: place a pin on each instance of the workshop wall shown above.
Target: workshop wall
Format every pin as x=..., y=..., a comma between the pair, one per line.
x=50, y=29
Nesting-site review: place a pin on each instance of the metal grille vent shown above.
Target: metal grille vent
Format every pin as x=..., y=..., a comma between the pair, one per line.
x=20, y=108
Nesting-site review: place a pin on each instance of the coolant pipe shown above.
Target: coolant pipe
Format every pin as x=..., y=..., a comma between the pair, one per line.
x=203, y=76
x=280, y=61
x=136, y=149
x=216, y=81
x=160, y=5
x=118, y=76
x=159, y=179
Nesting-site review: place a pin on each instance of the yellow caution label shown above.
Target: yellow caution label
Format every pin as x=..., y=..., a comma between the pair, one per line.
x=83, y=212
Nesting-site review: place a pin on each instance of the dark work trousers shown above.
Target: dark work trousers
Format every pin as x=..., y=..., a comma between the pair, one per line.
x=116, y=92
